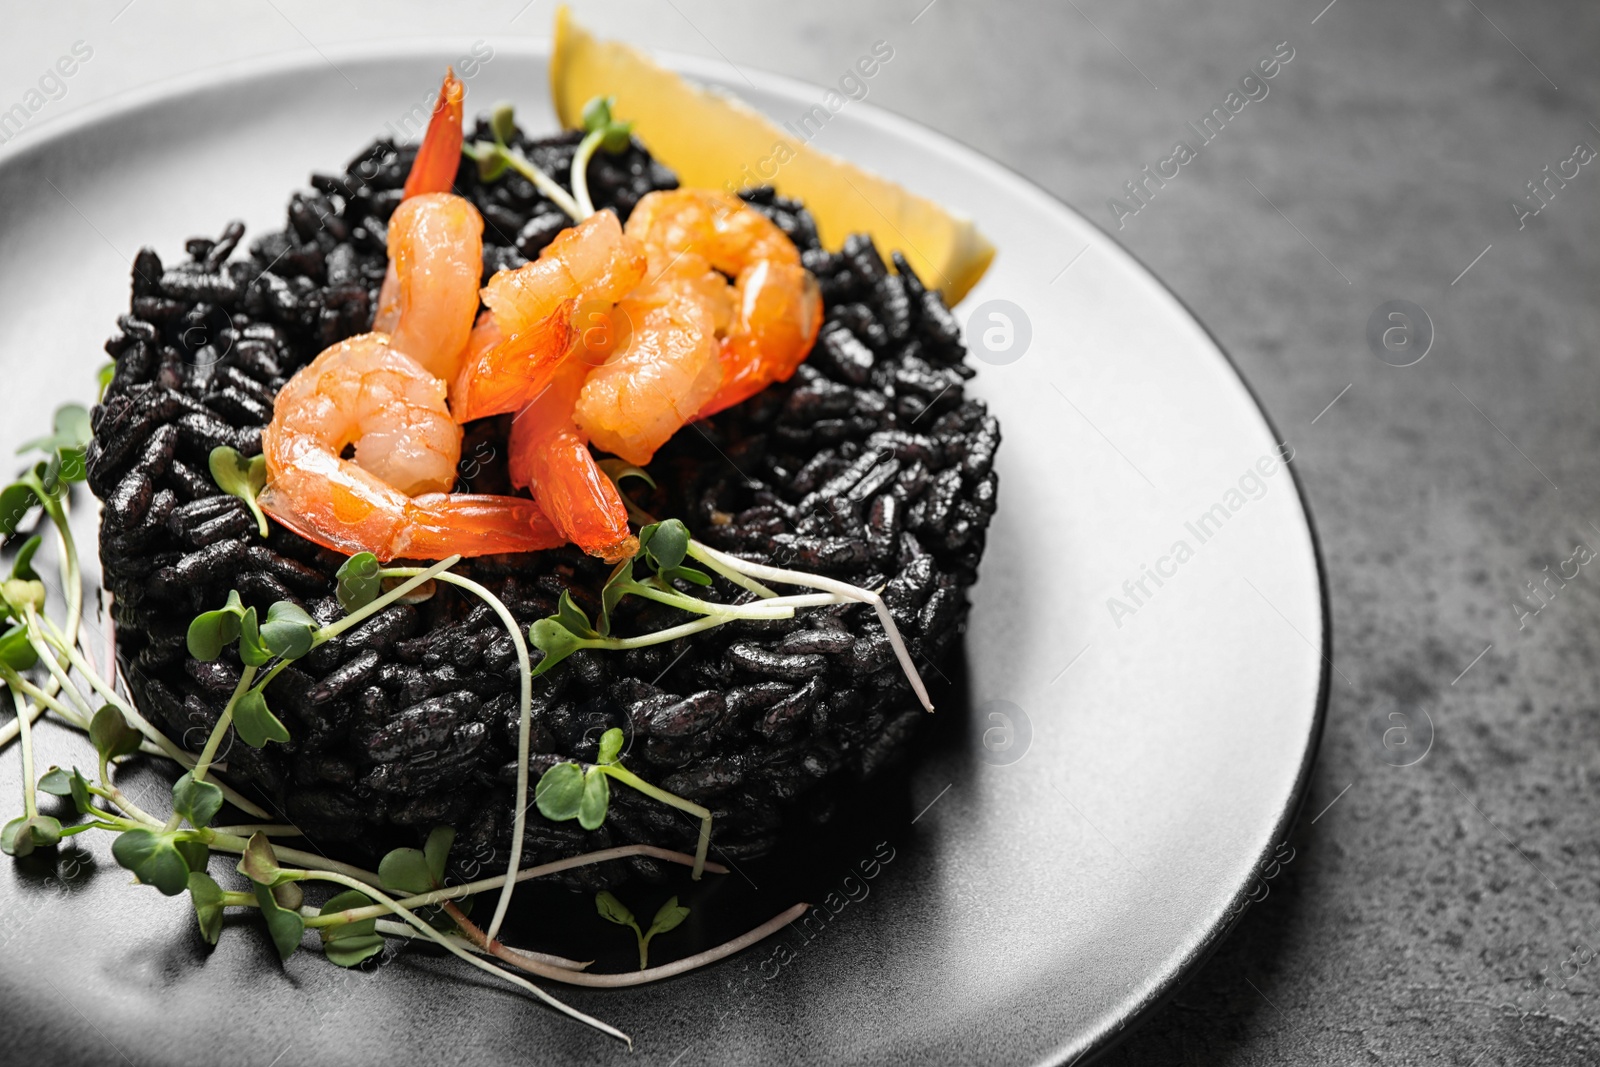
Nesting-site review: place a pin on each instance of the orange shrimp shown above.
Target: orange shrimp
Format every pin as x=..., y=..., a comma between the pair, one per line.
x=436, y=251
x=433, y=171
x=392, y=498
x=780, y=312
x=549, y=455
x=513, y=353
x=700, y=345
x=658, y=380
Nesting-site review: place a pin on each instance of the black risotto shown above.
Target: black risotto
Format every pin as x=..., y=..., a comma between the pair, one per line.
x=871, y=465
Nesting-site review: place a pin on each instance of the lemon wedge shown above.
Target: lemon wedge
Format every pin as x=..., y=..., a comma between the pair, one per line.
x=715, y=141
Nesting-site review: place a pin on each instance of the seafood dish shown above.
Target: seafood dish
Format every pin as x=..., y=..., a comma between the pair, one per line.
x=513, y=504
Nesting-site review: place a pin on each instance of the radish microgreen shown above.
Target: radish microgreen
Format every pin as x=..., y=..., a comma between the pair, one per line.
x=669, y=917
x=241, y=477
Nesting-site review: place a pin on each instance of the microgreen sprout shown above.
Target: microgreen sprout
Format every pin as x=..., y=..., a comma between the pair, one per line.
x=495, y=157
x=668, y=917
x=601, y=131
x=170, y=852
x=571, y=791
x=241, y=477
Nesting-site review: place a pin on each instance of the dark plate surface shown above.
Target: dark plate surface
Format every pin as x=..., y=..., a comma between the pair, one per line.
x=1037, y=883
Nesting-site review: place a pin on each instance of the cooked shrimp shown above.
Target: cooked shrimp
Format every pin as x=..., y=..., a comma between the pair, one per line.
x=433, y=171
x=436, y=249
x=779, y=314
x=657, y=381
x=549, y=455
x=513, y=355
x=766, y=323
x=392, y=497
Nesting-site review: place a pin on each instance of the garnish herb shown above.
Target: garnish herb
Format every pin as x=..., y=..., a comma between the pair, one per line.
x=669, y=917
x=601, y=132
x=243, y=478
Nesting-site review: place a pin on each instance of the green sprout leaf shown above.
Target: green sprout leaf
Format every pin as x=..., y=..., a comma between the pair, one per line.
x=206, y=896
x=406, y=870
x=70, y=435
x=597, y=113
x=492, y=159
x=213, y=631
x=596, y=798
x=18, y=594
x=288, y=631
x=359, y=582
x=503, y=123
x=103, y=378
x=555, y=641
x=240, y=477
x=22, y=835
x=112, y=736
x=194, y=853
x=567, y=791
x=437, y=851
x=22, y=566
x=16, y=651
x=16, y=500
x=153, y=858
x=670, y=917
x=58, y=783
x=560, y=792
x=198, y=802
x=285, y=927
x=259, y=863
x=349, y=943
x=251, y=649
x=613, y=910
x=571, y=616
x=610, y=746
x=255, y=722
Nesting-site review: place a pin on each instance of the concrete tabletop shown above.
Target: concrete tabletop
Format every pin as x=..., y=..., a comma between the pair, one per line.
x=1440, y=905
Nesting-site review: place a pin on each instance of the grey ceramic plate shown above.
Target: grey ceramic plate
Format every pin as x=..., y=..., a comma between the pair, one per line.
x=1150, y=619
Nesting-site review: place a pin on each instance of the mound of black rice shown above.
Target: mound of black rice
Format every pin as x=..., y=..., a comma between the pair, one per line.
x=871, y=465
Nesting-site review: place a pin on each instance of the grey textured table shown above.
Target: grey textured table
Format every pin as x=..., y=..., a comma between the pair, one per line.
x=1440, y=904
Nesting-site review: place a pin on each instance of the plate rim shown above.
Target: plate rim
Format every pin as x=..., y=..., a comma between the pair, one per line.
x=1097, y=1042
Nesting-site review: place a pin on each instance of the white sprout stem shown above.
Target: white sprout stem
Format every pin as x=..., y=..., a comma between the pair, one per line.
x=654, y=974
x=209, y=752
x=30, y=802
x=580, y=172
x=224, y=841
x=449, y=943
x=817, y=581
x=777, y=608
x=47, y=699
x=417, y=576
x=269, y=829
x=546, y=185
x=519, y=822
x=72, y=584
x=160, y=740
x=389, y=928
x=467, y=889
x=734, y=576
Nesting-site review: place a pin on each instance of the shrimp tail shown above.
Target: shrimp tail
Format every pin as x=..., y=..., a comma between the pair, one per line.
x=549, y=455
x=439, y=524
x=499, y=374
x=435, y=168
